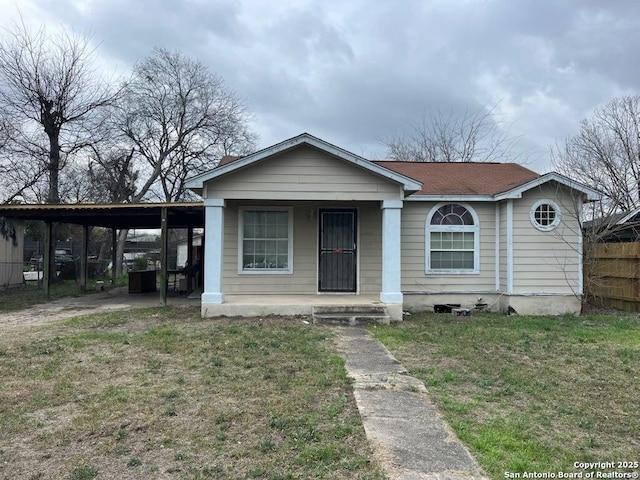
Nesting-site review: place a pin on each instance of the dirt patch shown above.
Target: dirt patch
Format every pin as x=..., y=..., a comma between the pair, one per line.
x=70, y=307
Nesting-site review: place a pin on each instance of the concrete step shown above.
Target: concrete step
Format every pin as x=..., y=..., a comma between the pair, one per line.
x=369, y=309
x=350, y=315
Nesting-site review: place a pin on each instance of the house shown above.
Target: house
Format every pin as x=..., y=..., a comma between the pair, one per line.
x=304, y=221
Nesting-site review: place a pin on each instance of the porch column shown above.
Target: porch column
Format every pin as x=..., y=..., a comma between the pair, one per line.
x=391, y=269
x=213, y=247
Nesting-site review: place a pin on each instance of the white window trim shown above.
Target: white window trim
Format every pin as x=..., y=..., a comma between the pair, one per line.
x=241, y=270
x=475, y=228
x=556, y=221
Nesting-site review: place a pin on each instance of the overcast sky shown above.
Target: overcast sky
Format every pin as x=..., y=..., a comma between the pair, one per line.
x=353, y=71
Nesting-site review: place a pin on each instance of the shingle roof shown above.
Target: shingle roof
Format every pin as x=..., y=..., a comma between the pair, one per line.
x=227, y=159
x=463, y=178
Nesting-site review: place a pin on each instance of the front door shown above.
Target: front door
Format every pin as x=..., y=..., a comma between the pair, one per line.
x=337, y=262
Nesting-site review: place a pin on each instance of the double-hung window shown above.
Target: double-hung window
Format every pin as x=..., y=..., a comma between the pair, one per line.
x=265, y=240
x=451, y=235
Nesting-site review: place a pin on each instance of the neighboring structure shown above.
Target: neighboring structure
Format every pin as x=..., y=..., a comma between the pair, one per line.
x=183, y=250
x=11, y=245
x=618, y=227
x=307, y=218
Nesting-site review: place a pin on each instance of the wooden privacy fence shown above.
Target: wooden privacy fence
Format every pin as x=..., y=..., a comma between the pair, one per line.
x=612, y=275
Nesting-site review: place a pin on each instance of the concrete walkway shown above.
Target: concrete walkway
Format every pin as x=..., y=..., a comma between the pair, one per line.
x=409, y=437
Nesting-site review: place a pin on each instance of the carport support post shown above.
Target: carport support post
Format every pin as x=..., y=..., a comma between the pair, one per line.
x=84, y=252
x=46, y=259
x=190, y=271
x=114, y=254
x=164, y=239
x=391, y=269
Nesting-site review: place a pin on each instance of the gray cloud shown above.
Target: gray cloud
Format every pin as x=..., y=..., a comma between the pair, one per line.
x=351, y=72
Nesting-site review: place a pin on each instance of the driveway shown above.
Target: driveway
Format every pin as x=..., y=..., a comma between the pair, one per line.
x=64, y=308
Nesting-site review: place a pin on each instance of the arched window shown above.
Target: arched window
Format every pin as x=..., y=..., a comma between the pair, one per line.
x=452, y=241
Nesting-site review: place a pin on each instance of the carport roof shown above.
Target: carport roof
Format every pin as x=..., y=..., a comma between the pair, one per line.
x=121, y=215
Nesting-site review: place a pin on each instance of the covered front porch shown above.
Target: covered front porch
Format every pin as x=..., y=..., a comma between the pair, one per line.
x=333, y=253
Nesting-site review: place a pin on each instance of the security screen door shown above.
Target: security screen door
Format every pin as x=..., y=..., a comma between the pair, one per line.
x=337, y=263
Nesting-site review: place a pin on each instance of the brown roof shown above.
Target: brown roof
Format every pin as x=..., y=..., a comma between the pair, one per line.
x=463, y=178
x=227, y=159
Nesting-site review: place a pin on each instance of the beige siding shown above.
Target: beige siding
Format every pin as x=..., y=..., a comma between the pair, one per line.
x=303, y=174
x=11, y=259
x=303, y=280
x=545, y=262
x=414, y=278
x=370, y=247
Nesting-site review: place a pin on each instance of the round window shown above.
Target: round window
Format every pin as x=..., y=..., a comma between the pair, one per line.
x=545, y=215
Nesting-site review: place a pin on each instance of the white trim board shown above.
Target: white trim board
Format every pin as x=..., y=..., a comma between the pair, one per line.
x=590, y=193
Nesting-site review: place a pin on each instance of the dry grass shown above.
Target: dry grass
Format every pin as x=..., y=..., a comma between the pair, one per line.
x=161, y=393
x=530, y=394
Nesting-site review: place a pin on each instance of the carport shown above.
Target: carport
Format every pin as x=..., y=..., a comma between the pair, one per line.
x=162, y=216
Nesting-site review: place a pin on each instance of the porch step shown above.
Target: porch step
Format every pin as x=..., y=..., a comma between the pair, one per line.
x=350, y=315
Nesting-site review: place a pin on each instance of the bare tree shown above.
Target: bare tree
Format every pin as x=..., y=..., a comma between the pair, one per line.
x=50, y=91
x=475, y=136
x=605, y=154
x=112, y=173
x=19, y=179
x=179, y=118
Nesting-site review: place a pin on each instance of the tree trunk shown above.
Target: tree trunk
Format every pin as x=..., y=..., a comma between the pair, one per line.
x=54, y=165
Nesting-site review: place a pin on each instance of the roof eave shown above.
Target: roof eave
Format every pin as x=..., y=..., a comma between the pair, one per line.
x=628, y=216
x=458, y=197
x=589, y=193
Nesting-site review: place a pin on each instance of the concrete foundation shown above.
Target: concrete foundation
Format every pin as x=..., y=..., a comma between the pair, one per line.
x=292, y=305
x=543, y=304
x=425, y=302
x=496, y=302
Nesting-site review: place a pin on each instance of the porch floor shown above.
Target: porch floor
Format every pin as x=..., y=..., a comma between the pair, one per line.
x=290, y=305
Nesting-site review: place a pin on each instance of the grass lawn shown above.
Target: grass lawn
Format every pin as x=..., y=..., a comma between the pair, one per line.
x=162, y=393
x=530, y=394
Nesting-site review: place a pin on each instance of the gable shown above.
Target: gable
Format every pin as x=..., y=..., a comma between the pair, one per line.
x=230, y=164
x=302, y=173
